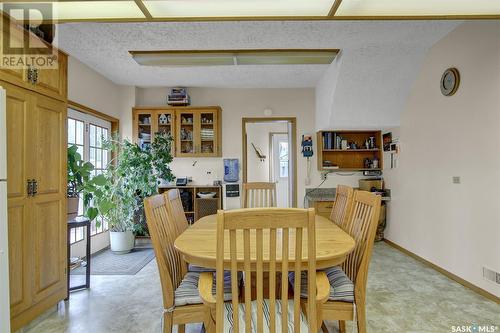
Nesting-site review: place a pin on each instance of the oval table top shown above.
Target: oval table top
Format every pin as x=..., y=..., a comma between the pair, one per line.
x=198, y=244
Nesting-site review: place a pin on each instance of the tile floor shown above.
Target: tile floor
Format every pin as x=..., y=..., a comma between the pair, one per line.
x=403, y=296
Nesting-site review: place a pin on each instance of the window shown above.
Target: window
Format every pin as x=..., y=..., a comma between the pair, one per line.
x=283, y=155
x=88, y=133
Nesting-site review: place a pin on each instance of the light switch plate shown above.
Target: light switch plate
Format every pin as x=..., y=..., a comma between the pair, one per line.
x=456, y=179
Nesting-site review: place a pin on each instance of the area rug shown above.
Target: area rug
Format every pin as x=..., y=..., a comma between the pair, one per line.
x=107, y=263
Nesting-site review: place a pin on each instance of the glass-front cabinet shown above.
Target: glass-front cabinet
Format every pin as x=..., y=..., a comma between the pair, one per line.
x=148, y=122
x=196, y=130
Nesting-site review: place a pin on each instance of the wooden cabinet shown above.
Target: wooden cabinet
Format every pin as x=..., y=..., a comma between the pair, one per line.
x=323, y=208
x=36, y=154
x=196, y=130
x=51, y=82
x=350, y=150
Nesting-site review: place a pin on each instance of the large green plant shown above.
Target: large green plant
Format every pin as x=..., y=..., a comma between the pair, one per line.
x=117, y=194
x=79, y=172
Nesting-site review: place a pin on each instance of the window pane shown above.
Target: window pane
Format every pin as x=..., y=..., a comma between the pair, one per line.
x=98, y=162
x=92, y=156
x=72, y=236
x=92, y=135
x=284, y=169
x=71, y=130
x=105, y=159
x=105, y=133
x=99, y=137
x=80, y=151
x=79, y=133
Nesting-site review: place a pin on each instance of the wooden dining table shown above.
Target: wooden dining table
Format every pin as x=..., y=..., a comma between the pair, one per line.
x=197, y=244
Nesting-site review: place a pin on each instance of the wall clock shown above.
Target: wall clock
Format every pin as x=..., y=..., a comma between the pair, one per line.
x=450, y=81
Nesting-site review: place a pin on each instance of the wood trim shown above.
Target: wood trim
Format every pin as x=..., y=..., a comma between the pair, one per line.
x=235, y=51
x=115, y=123
x=288, y=18
x=168, y=107
x=271, y=158
x=293, y=149
x=143, y=9
x=334, y=8
x=446, y=273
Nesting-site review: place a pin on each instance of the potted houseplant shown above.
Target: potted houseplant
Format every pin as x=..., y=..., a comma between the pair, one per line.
x=79, y=173
x=117, y=194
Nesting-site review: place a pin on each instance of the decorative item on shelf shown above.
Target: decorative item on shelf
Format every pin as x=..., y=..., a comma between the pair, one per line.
x=387, y=139
x=164, y=119
x=178, y=97
x=186, y=134
x=344, y=145
x=185, y=120
x=206, y=195
x=206, y=120
x=372, y=142
x=145, y=121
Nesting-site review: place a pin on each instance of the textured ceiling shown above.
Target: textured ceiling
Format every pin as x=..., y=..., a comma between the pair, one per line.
x=104, y=47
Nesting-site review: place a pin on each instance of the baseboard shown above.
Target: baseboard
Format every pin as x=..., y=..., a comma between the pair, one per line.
x=451, y=276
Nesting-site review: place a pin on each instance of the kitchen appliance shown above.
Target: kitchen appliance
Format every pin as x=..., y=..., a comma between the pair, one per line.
x=4, y=249
x=231, y=196
x=181, y=181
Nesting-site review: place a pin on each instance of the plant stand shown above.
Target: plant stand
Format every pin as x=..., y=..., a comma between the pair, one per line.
x=76, y=223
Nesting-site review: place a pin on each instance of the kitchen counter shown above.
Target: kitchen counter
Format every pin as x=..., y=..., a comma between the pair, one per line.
x=328, y=194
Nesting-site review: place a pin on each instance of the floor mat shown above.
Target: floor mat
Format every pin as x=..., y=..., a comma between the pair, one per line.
x=107, y=263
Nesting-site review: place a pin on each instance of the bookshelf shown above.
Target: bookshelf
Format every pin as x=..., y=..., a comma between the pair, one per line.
x=350, y=150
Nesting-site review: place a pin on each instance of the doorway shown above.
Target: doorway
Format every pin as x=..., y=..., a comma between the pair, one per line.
x=269, y=155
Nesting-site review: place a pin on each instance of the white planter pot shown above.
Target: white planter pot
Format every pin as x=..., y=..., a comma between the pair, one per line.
x=121, y=242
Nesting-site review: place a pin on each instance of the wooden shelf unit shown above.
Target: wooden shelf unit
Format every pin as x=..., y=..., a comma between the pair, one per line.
x=352, y=160
x=198, y=207
x=196, y=130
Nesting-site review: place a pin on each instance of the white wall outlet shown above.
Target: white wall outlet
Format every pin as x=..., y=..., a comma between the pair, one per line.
x=456, y=179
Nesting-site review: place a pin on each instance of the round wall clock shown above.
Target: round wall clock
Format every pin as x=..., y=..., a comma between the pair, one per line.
x=450, y=81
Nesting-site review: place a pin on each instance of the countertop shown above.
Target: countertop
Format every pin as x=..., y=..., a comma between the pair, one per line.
x=328, y=194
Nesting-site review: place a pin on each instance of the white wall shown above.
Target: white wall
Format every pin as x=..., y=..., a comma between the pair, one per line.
x=455, y=226
x=258, y=134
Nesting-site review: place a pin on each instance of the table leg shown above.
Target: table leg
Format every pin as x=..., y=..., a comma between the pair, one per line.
x=87, y=271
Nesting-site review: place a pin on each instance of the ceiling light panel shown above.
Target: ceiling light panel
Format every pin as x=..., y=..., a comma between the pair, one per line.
x=237, y=8
x=418, y=7
x=231, y=58
x=90, y=10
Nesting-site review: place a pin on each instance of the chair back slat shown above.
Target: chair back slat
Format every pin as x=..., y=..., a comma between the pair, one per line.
x=342, y=206
x=174, y=203
x=259, y=194
x=362, y=226
x=163, y=232
x=268, y=236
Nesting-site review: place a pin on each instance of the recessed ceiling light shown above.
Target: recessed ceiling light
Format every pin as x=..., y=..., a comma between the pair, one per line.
x=234, y=57
x=237, y=8
x=418, y=7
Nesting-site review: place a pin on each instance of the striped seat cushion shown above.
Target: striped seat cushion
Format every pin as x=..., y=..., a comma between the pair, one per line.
x=228, y=317
x=199, y=269
x=187, y=292
x=341, y=287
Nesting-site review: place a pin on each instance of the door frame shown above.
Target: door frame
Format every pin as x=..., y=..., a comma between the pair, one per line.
x=293, y=146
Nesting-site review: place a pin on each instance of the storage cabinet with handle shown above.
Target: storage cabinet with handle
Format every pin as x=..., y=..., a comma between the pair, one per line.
x=36, y=192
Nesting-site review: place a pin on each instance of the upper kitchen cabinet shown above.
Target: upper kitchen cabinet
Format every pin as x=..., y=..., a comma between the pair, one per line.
x=48, y=80
x=196, y=130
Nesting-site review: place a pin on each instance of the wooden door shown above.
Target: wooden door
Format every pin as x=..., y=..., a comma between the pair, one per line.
x=19, y=105
x=52, y=82
x=207, y=133
x=164, y=122
x=144, y=127
x=49, y=203
x=186, y=133
x=15, y=39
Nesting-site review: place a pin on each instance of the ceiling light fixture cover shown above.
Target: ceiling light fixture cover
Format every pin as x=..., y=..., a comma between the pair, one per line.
x=374, y=8
x=237, y=8
x=234, y=57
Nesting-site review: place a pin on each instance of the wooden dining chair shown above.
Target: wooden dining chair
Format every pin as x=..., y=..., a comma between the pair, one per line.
x=174, y=204
x=347, y=300
x=342, y=205
x=289, y=234
x=259, y=194
x=181, y=300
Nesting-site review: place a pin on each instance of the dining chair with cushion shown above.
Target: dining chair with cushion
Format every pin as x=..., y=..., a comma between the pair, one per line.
x=271, y=240
x=259, y=194
x=342, y=205
x=182, y=303
x=347, y=299
x=176, y=211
